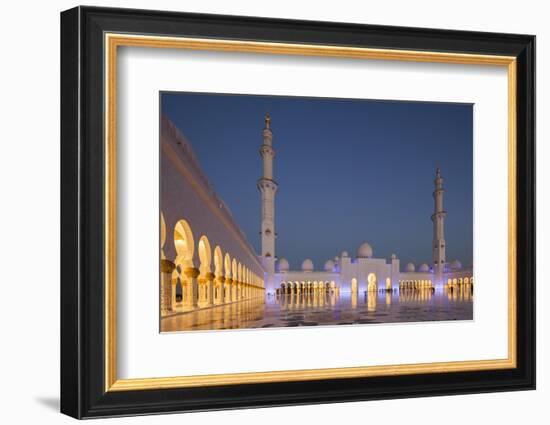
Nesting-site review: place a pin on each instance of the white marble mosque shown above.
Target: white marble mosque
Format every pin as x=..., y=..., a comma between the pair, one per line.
x=351, y=273
x=212, y=278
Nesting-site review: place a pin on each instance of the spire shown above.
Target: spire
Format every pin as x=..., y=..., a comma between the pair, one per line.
x=438, y=218
x=268, y=187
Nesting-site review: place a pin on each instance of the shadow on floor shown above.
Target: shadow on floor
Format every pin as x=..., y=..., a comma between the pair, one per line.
x=49, y=402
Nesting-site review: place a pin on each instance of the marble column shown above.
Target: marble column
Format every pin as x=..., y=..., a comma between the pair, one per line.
x=229, y=289
x=192, y=273
x=210, y=288
x=174, y=302
x=221, y=283
x=166, y=269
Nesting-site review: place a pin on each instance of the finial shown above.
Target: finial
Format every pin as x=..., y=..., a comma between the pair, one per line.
x=267, y=120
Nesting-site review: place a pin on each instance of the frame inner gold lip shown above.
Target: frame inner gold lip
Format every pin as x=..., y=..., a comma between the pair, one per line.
x=113, y=41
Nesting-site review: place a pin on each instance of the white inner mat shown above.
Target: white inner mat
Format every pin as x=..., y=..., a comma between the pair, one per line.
x=143, y=352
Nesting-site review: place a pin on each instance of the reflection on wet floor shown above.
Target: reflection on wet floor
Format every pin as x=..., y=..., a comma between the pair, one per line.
x=321, y=308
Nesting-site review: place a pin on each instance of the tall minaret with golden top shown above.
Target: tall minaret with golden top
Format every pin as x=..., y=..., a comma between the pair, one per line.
x=438, y=219
x=268, y=188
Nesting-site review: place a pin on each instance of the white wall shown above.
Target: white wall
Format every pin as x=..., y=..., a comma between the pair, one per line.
x=29, y=224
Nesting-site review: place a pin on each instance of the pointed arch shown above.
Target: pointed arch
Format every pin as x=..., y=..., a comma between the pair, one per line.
x=184, y=243
x=205, y=255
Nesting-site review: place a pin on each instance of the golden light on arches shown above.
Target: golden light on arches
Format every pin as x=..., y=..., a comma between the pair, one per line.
x=371, y=279
x=227, y=265
x=205, y=254
x=234, y=269
x=162, y=230
x=184, y=243
x=218, y=261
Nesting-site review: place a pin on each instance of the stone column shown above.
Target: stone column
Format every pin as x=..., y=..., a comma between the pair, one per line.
x=229, y=294
x=166, y=269
x=192, y=273
x=210, y=287
x=221, y=281
x=173, y=303
x=202, y=291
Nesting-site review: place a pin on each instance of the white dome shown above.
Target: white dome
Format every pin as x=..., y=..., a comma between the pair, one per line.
x=336, y=259
x=307, y=265
x=329, y=266
x=456, y=265
x=282, y=265
x=394, y=257
x=344, y=254
x=409, y=267
x=424, y=268
x=364, y=250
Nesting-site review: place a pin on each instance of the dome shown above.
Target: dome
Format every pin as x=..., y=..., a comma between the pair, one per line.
x=456, y=265
x=307, y=265
x=394, y=257
x=424, y=268
x=364, y=251
x=344, y=254
x=282, y=265
x=336, y=259
x=329, y=266
x=409, y=267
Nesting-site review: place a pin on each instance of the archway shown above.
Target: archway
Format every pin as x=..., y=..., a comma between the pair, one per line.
x=234, y=273
x=226, y=294
x=185, y=249
x=372, y=284
x=162, y=235
x=354, y=286
x=240, y=280
x=218, y=273
x=184, y=243
x=205, y=258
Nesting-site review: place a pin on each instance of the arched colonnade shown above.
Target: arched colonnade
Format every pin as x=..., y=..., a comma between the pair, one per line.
x=202, y=275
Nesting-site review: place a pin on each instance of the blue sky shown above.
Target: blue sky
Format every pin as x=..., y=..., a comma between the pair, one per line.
x=348, y=170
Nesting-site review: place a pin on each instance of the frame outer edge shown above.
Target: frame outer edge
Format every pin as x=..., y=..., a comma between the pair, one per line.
x=529, y=127
x=70, y=349
x=80, y=393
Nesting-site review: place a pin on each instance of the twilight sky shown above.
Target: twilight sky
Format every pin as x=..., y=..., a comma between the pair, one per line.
x=348, y=170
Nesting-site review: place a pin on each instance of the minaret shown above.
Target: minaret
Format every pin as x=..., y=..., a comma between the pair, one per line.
x=438, y=218
x=268, y=187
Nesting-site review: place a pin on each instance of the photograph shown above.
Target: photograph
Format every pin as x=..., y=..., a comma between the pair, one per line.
x=288, y=211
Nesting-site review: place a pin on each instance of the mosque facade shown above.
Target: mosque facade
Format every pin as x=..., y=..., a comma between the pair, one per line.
x=358, y=273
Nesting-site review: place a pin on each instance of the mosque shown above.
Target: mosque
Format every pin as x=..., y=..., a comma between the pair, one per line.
x=356, y=274
x=206, y=260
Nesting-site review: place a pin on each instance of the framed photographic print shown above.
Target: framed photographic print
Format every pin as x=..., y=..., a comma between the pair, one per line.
x=261, y=212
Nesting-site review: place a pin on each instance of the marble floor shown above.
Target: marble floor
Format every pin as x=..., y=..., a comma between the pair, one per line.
x=317, y=309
